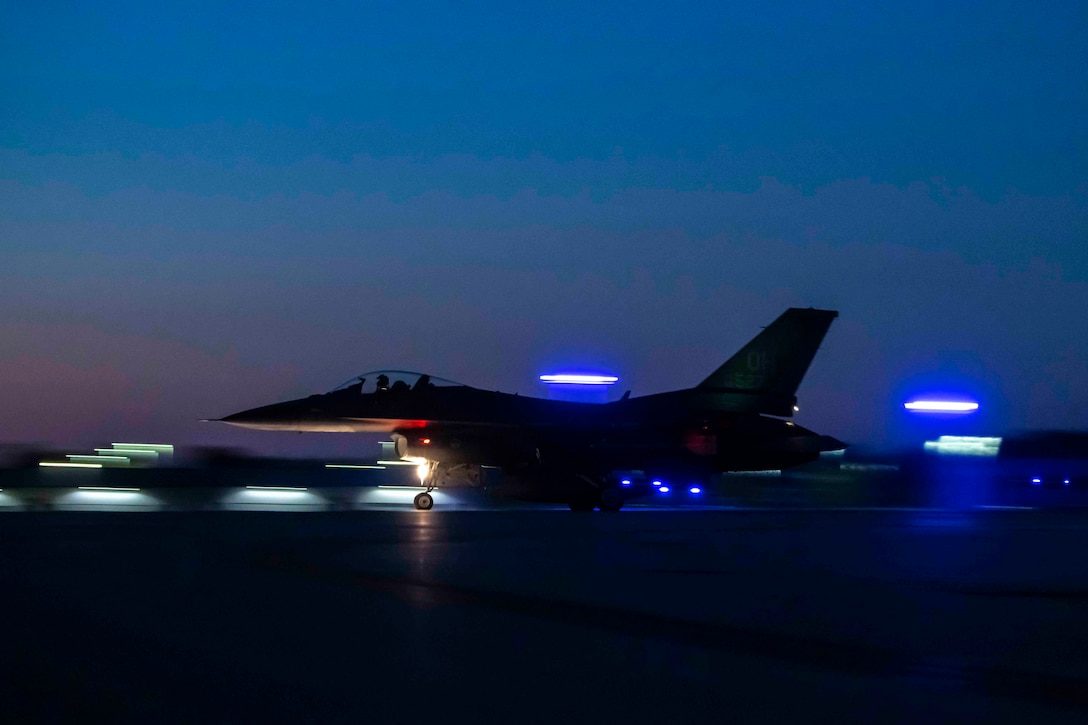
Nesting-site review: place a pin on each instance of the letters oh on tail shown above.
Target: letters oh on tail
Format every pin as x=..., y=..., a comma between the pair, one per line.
x=763, y=376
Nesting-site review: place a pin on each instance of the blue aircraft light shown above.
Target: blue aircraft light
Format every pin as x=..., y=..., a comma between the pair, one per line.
x=1065, y=481
x=695, y=489
x=941, y=406
x=625, y=482
x=663, y=489
x=657, y=483
x=578, y=379
x=1036, y=481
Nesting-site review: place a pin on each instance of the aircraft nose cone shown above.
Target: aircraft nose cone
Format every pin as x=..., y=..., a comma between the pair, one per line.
x=281, y=416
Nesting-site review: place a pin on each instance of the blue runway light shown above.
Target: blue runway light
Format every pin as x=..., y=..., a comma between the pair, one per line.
x=625, y=482
x=1065, y=481
x=663, y=489
x=657, y=483
x=1036, y=481
x=695, y=490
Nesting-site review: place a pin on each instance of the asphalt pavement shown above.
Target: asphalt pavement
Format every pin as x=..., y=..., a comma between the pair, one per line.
x=544, y=615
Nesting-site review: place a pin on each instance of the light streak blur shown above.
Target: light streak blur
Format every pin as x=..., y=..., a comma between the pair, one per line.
x=115, y=461
x=108, y=488
x=964, y=446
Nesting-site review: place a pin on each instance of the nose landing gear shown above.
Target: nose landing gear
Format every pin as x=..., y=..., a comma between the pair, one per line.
x=424, y=501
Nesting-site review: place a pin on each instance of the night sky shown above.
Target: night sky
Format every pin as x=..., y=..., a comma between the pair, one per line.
x=212, y=206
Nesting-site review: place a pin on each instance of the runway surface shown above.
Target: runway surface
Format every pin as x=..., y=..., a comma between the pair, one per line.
x=542, y=615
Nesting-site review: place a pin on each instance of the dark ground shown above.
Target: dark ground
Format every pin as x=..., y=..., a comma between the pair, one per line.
x=544, y=616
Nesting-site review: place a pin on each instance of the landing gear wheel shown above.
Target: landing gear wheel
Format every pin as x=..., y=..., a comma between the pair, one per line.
x=424, y=501
x=611, y=500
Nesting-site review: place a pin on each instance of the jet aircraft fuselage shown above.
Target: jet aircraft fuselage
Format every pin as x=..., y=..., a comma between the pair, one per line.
x=733, y=421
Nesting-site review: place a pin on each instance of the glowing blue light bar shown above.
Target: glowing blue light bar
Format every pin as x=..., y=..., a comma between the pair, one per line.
x=578, y=379
x=663, y=489
x=657, y=483
x=625, y=482
x=941, y=406
x=695, y=489
x=1036, y=481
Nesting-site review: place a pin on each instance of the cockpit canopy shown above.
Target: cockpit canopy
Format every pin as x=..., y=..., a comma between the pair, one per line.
x=395, y=381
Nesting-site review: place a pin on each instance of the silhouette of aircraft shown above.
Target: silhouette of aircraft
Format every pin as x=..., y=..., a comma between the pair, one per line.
x=588, y=455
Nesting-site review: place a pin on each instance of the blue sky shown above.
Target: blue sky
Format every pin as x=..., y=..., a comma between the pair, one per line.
x=226, y=205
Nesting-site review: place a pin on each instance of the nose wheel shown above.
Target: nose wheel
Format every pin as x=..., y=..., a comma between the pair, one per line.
x=424, y=501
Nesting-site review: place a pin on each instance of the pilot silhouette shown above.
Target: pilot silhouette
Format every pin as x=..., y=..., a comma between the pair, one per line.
x=383, y=382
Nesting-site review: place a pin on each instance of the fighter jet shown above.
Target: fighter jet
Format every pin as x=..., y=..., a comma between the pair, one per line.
x=587, y=455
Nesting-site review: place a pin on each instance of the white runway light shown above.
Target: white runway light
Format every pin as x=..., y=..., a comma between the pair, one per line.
x=277, y=488
x=108, y=488
x=274, y=498
x=107, y=498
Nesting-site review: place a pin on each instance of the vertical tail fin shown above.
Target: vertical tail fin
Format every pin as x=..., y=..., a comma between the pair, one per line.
x=772, y=365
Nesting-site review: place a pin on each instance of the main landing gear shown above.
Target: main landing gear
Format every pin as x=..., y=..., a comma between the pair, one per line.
x=610, y=499
x=424, y=501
